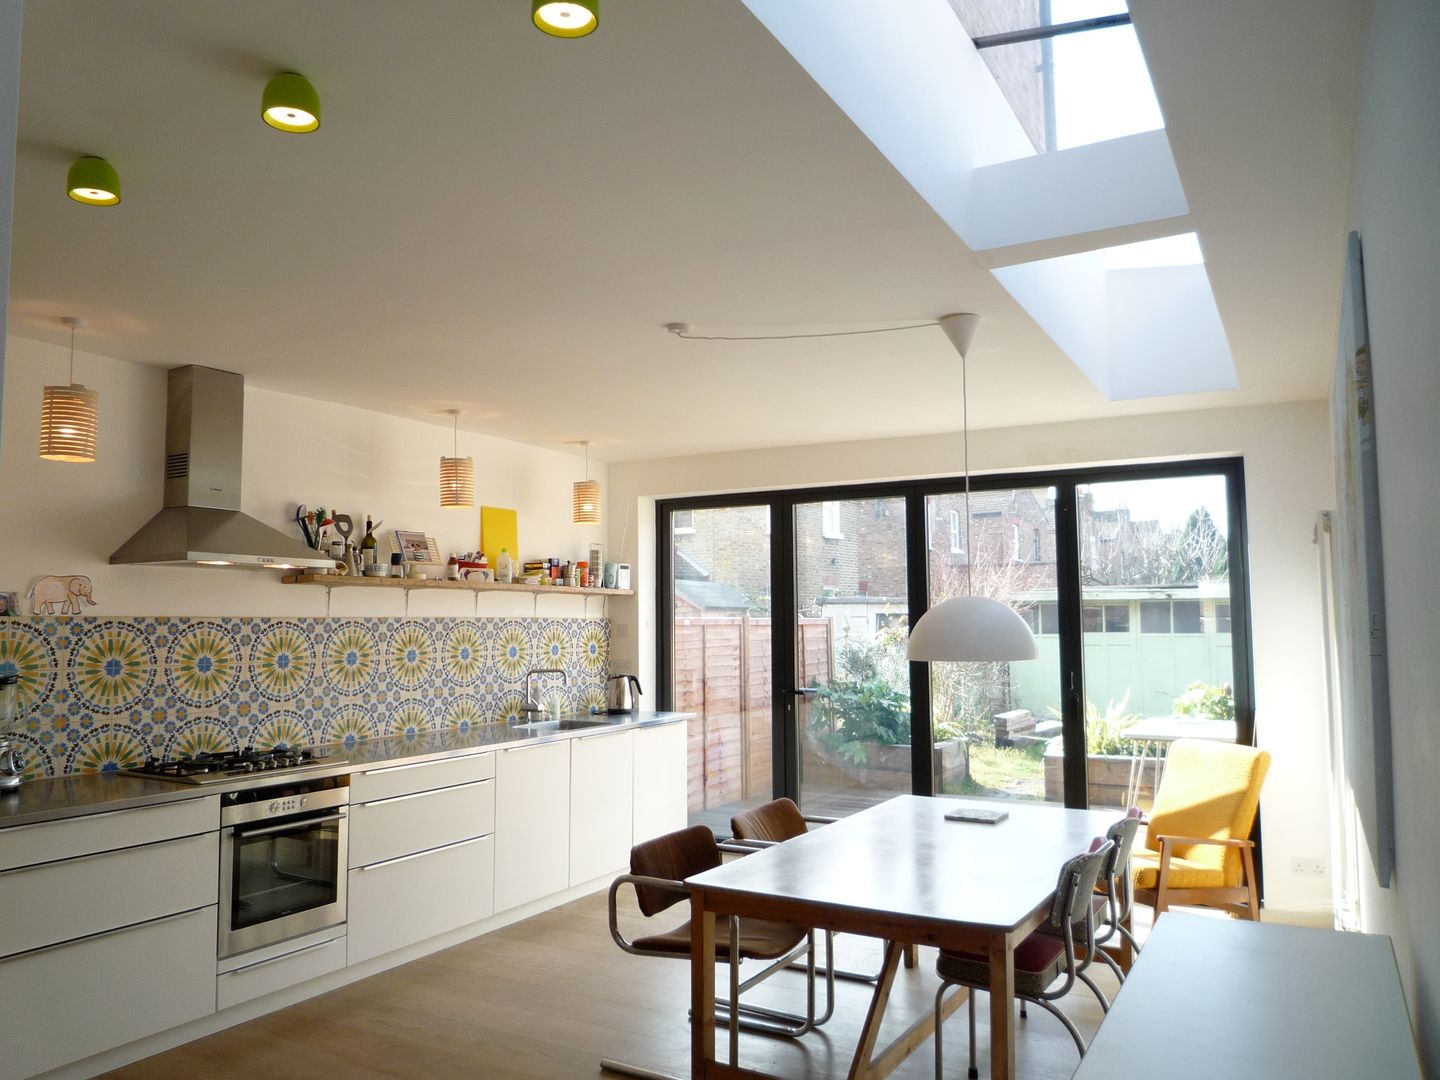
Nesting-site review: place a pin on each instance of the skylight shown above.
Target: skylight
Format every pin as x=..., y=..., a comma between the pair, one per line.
x=1072, y=70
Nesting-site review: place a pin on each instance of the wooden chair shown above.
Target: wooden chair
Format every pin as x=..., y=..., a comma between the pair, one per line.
x=775, y=822
x=1198, y=850
x=1041, y=959
x=659, y=868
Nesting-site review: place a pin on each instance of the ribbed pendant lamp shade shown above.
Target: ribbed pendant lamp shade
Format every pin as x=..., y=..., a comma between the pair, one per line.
x=68, y=420
x=585, y=502
x=69, y=415
x=457, y=483
x=457, y=476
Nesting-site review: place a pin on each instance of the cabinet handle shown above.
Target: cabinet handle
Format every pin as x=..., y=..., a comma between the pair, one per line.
x=422, y=854
x=424, y=794
x=114, y=930
x=286, y=956
x=418, y=764
x=111, y=813
x=603, y=734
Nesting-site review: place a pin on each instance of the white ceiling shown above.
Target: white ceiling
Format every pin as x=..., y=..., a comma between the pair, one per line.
x=499, y=221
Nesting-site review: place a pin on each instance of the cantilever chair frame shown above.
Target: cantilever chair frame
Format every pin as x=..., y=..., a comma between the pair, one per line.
x=732, y=1012
x=1069, y=903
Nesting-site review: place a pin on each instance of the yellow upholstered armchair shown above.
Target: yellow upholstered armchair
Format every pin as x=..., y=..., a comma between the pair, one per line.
x=1197, y=849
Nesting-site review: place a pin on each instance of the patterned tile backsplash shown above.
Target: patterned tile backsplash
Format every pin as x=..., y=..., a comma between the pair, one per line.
x=99, y=694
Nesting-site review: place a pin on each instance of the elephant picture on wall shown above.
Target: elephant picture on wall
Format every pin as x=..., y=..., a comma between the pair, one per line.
x=60, y=594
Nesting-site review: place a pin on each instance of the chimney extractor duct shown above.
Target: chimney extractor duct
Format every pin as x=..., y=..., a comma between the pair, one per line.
x=201, y=523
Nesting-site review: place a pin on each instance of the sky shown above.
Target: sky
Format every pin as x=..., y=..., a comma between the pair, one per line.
x=1102, y=86
x=1169, y=501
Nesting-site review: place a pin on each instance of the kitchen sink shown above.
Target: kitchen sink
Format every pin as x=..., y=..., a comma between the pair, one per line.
x=567, y=723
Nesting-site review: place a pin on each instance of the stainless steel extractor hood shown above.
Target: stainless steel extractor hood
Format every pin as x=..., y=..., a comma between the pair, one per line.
x=201, y=524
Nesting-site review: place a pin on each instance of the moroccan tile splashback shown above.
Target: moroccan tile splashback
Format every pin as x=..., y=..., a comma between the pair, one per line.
x=100, y=694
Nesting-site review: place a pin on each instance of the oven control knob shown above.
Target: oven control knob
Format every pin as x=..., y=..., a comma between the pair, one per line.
x=304, y=801
x=273, y=808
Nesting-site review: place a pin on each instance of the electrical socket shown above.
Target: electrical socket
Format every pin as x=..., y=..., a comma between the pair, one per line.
x=1307, y=867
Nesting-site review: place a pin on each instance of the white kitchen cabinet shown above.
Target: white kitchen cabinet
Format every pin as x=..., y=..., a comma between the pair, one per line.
x=47, y=841
x=280, y=972
x=661, y=798
x=73, y=898
x=602, y=789
x=532, y=823
x=406, y=824
x=387, y=781
x=402, y=901
x=69, y=1001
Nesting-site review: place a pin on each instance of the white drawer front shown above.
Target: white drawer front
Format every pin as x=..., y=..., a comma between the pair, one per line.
x=385, y=781
x=279, y=972
x=64, y=900
x=48, y=841
x=399, y=903
x=74, y=1000
x=406, y=824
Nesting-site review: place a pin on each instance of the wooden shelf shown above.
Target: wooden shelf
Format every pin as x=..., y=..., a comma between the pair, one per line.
x=333, y=581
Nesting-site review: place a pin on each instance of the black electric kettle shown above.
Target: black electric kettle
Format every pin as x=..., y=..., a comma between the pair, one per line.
x=623, y=695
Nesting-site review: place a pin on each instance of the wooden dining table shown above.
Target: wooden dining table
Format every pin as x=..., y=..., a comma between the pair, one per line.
x=900, y=872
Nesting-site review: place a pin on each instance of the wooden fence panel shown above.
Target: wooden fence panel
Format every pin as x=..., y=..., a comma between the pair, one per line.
x=722, y=672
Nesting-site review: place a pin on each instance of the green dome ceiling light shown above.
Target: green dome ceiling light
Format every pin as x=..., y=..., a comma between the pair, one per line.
x=290, y=103
x=565, y=18
x=93, y=181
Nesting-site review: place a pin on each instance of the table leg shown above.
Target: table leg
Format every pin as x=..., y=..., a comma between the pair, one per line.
x=860, y=1067
x=1002, y=1008
x=702, y=985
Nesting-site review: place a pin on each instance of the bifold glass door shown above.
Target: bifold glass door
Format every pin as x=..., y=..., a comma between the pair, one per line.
x=998, y=727
x=720, y=666
x=1157, y=617
x=785, y=619
x=853, y=723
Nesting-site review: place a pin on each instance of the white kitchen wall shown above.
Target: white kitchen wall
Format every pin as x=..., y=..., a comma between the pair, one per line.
x=68, y=518
x=1397, y=158
x=1288, y=478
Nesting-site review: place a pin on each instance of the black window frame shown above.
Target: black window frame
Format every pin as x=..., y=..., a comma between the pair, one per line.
x=919, y=524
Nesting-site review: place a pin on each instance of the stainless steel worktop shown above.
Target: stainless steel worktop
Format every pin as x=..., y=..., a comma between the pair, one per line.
x=93, y=793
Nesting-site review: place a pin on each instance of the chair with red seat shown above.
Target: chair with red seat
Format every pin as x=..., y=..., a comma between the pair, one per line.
x=1041, y=959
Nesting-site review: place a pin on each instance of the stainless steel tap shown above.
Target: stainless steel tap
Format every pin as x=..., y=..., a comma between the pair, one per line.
x=531, y=705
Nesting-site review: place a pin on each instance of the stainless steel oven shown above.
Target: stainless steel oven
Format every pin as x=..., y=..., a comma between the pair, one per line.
x=282, y=862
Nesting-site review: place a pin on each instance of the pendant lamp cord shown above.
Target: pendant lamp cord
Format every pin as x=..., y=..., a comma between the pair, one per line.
x=72, y=356
x=965, y=438
x=455, y=441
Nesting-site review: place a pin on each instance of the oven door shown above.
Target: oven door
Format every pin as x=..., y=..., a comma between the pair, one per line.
x=281, y=878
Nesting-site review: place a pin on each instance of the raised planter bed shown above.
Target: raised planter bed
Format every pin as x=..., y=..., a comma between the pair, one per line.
x=1108, y=777
x=950, y=760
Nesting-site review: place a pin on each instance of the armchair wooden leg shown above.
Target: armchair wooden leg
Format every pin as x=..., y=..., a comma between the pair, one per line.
x=1248, y=855
x=912, y=955
x=1162, y=885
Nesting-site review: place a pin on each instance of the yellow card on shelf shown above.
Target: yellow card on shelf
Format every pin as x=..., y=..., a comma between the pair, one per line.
x=499, y=528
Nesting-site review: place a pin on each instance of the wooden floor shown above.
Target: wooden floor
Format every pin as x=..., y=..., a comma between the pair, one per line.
x=550, y=996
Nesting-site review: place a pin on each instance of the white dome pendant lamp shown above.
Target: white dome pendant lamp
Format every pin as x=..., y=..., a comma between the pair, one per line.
x=970, y=627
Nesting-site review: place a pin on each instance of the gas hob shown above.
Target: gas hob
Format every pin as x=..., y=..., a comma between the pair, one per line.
x=208, y=768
